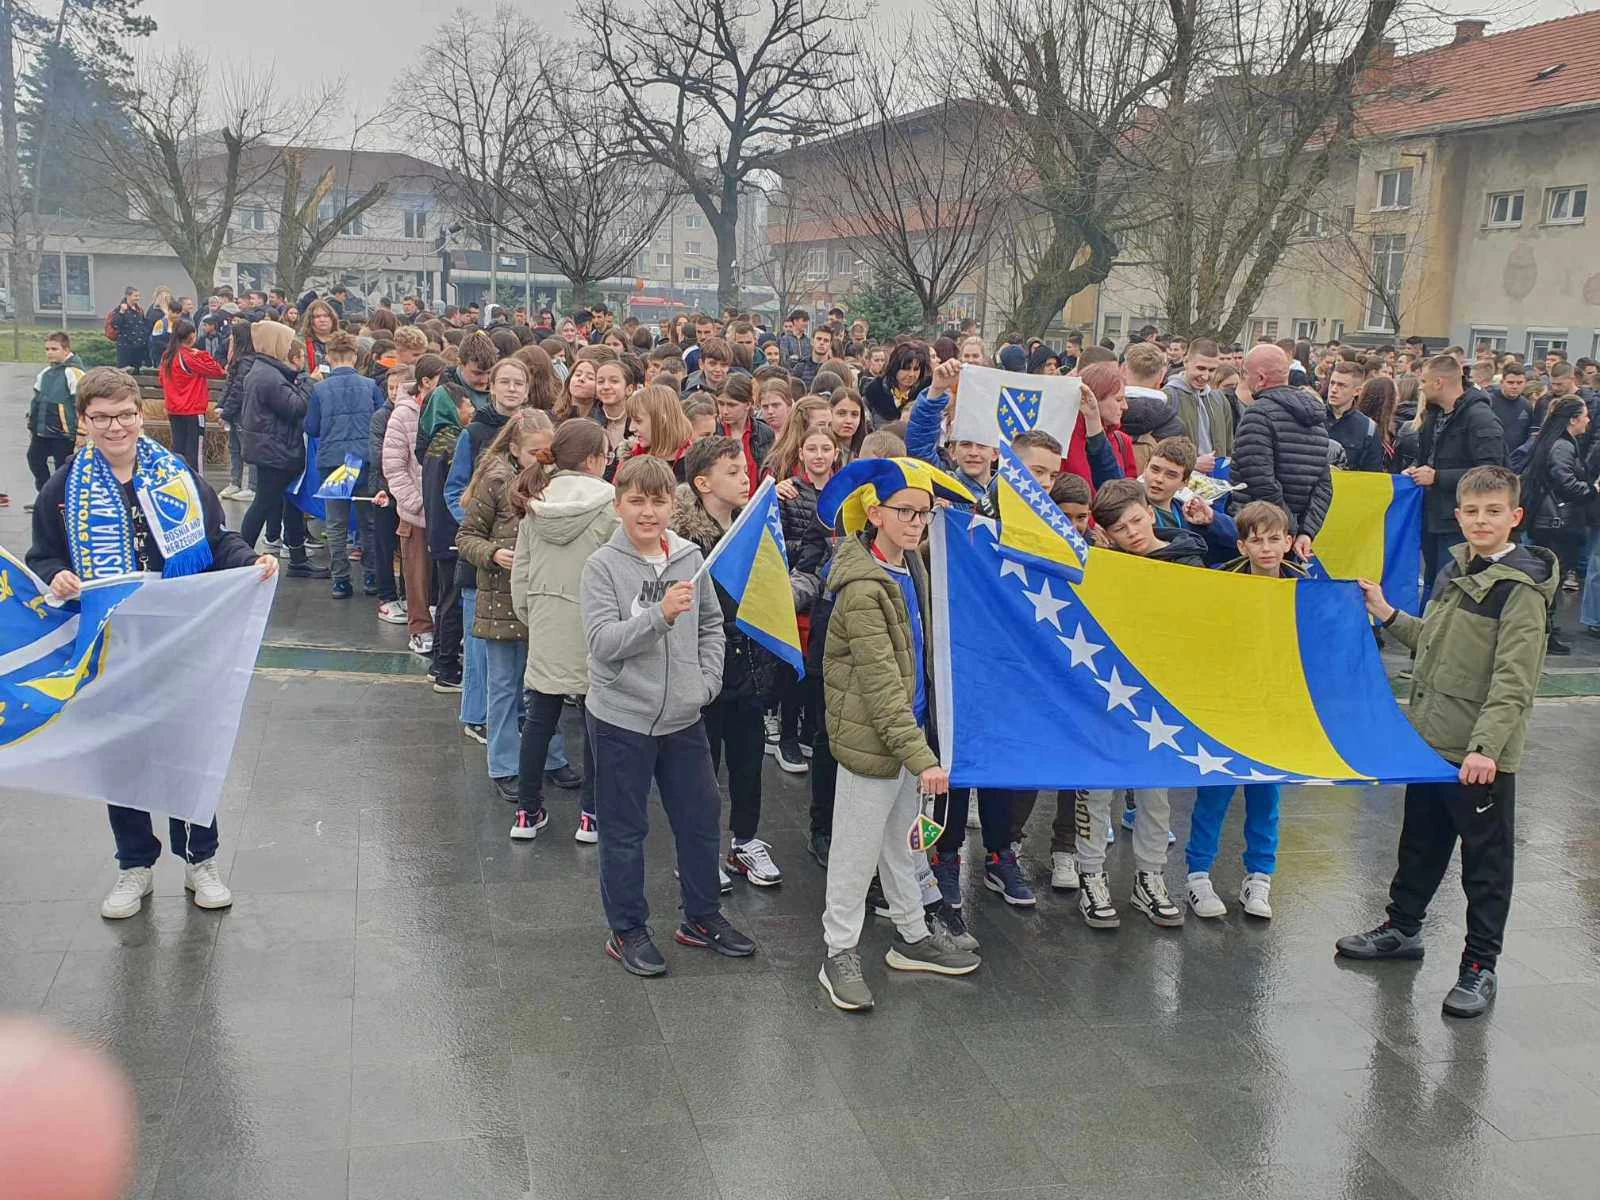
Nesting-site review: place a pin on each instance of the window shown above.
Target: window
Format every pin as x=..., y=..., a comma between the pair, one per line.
x=691, y=247
x=1315, y=225
x=330, y=208
x=1504, y=210
x=416, y=223
x=1394, y=188
x=1264, y=327
x=1565, y=205
x=1495, y=339
x=48, y=283
x=250, y=216
x=1541, y=342
x=1336, y=331
x=254, y=275
x=694, y=221
x=842, y=262
x=1347, y=219
x=816, y=263
x=1111, y=326
x=1305, y=329
x=692, y=274
x=1387, y=269
x=663, y=259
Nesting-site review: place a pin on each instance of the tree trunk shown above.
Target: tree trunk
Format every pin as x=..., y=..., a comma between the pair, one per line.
x=580, y=292
x=726, y=226
x=1055, y=279
x=22, y=256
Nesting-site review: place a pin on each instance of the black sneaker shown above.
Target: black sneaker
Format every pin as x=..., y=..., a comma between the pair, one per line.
x=1385, y=941
x=1473, y=993
x=342, y=590
x=714, y=933
x=789, y=757
x=877, y=903
x=447, y=683
x=305, y=570
x=821, y=843
x=564, y=777
x=369, y=585
x=478, y=733
x=506, y=788
x=1554, y=645
x=636, y=952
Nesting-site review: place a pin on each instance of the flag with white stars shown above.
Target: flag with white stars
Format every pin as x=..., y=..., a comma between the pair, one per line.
x=1151, y=674
x=994, y=406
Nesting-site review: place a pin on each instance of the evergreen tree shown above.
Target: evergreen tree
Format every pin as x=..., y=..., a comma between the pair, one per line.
x=887, y=307
x=61, y=96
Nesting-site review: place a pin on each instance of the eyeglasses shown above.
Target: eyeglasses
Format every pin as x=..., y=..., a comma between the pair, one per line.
x=911, y=516
x=102, y=421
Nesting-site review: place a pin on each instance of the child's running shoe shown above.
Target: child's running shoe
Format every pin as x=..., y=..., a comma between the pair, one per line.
x=1150, y=897
x=1255, y=895
x=635, y=950
x=714, y=932
x=1063, y=871
x=752, y=859
x=1094, y=901
x=588, y=832
x=1001, y=874
x=527, y=825
x=947, y=872
x=1202, y=896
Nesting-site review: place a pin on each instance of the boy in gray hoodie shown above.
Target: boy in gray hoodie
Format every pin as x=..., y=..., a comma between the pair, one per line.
x=655, y=644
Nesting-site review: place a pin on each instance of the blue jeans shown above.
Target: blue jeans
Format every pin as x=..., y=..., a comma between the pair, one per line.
x=1260, y=826
x=138, y=846
x=1589, y=614
x=680, y=763
x=507, y=663
x=474, y=664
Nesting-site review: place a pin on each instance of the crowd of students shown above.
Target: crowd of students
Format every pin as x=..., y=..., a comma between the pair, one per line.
x=550, y=489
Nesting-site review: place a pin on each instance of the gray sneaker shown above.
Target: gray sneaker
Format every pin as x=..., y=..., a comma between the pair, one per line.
x=840, y=977
x=935, y=953
x=943, y=916
x=1383, y=942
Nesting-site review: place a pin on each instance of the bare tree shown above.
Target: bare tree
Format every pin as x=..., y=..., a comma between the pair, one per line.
x=190, y=143
x=469, y=102
x=710, y=90
x=1075, y=79
x=1256, y=117
x=780, y=257
x=1364, y=257
x=304, y=227
x=915, y=180
x=573, y=198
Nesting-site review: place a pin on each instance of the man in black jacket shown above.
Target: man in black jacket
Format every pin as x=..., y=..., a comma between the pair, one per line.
x=132, y=330
x=1281, y=450
x=1459, y=431
x=1348, y=425
x=1511, y=408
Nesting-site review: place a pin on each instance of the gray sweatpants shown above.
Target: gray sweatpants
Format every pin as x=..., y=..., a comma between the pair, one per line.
x=1149, y=829
x=871, y=818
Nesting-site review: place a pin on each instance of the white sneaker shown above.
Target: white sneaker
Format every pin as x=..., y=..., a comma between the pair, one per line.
x=392, y=612
x=271, y=547
x=127, y=893
x=205, y=881
x=1203, y=897
x=228, y=493
x=1254, y=893
x=588, y=832
x=1063, y=871
x=245, y=495
x=753, y=860
x=421, y=643
x=771, y=725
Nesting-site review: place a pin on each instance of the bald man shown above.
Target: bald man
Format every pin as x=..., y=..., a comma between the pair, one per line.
x=1281, y=450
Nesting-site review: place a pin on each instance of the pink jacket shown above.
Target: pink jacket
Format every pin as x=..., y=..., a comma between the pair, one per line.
x=400, y=465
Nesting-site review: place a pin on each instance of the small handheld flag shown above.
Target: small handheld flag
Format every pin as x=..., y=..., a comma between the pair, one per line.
x=751, y=565
x=302, y=493
x=994, y=406
x=341, y=481
x=1033, y=530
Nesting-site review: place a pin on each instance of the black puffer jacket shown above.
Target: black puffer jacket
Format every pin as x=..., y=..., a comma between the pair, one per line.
x=1471, y=437
x=805, y=540
x=1281, y=454
x=272, y=416
x=233, y=389
x=1557, y=499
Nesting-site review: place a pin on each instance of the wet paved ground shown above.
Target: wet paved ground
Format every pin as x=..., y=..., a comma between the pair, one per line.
x=402, y=1003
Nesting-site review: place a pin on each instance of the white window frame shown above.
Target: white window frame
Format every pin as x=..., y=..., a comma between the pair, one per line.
x=1550, y=339
x=692, y=247
x=1305, y=329
x=257, y=218
x=1336, y=332
x=1515, y=206
x=60, y=265
x=414, y=224
x=1316, y=224
x=691, y=274
x=1400, y=175
x=694, y=221
x=1395, y=276
x=663, y=259
x=1495, y=335
x=1576, y=196
x=1111, y=325
x=815, y=263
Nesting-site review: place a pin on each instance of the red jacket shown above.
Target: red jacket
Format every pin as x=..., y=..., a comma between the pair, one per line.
x=1077, y=457
x=183, y=382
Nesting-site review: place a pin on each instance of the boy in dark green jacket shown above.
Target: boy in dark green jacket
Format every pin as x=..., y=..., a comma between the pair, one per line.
x=1480, y=646
x=53, y=413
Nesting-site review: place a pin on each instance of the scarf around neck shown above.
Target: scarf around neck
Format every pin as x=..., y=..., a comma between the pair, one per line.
x=100, y=526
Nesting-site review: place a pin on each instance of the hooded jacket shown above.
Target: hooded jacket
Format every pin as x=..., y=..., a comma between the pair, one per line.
x=1182, y=546
x=574, y=518
x=185, y=382
x=1216, y=406
x=1480, y=646
x=869, y=672
x=647, y=675
x=748, y=670
x=272, y=416
x=401, y=470
x=1281, y=454
x=53, y=412
x=1470, y=437
x=438, y=431
x=490, y=525
x=339, y=415
x=233, y=389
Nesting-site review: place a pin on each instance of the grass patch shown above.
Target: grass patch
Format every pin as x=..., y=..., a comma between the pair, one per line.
x=27, y=345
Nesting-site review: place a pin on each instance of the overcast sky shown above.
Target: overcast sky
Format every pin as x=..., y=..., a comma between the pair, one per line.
x=314, y=40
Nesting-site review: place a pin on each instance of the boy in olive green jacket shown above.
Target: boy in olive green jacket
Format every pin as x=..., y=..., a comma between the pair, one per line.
x=1480, y=646
x=878, y=695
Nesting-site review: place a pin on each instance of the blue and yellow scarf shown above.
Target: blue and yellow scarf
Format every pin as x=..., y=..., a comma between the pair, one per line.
x=100, y=527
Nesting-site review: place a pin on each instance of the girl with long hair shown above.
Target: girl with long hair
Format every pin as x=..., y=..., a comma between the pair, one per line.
x=487, y=539
x=849, y=422
x=544, y=389
x=784, y=457
x=185, y=373
x=241, y=353
x=907, y=372
x=1556, y=495
x=1377, y=400
x=660, y=426
x=317, y=325
x=611, y=388
x=567, y=512
x=577, y=396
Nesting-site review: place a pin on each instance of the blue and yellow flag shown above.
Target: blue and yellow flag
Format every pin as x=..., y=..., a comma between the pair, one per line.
x=303, y=492
x=752, y=566
x=1374, y=531
x=1032, y=529
x=341, y=481
x=1151, y=674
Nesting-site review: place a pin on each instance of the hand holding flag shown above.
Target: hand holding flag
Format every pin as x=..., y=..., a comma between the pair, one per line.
x=752, y=566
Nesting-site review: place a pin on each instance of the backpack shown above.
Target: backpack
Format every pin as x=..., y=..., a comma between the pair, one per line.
x=111, y=325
